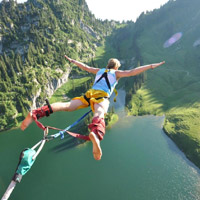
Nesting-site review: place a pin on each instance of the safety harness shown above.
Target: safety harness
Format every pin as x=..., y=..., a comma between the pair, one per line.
x=88, y=99
x=104, y=75
x=97, y=125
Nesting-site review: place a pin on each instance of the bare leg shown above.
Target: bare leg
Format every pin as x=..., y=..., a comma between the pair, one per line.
x=28, y=120
x=69, y=106
x=97, y=152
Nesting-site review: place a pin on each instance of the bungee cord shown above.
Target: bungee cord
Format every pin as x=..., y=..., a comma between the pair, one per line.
x=29, y=155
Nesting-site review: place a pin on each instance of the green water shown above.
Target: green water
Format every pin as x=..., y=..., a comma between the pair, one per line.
x=139, y=162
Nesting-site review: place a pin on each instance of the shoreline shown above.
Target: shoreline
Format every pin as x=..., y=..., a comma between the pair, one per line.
x=190, y=156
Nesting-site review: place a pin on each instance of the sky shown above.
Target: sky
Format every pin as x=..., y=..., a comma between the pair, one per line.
x=120, y=10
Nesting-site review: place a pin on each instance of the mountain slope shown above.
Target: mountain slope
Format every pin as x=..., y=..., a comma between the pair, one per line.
x=34, y=37
x=173, y=89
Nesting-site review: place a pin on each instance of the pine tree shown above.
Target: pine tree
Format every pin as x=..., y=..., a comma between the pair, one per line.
x=18, y=62
x=30, y=54
x=5, y=74
x=24, y=77
x=14, y=76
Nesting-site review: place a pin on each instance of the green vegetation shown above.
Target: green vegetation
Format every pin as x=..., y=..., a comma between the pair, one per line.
x=73, y=88
x=172, y=89
x=111, y=119
x=34, y=36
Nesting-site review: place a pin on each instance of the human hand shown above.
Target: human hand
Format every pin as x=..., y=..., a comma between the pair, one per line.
x=69, y=59
x=157, y=64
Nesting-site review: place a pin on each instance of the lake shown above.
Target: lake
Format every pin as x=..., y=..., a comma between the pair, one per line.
x=139, y=162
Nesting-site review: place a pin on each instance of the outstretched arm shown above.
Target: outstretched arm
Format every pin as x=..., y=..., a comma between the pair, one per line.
x=136, y=71
x=83, y=66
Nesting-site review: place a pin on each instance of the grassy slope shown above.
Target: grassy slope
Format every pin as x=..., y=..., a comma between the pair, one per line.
x=67, y=91
x=173, y=89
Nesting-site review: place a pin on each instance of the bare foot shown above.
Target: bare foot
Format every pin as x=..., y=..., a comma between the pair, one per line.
x=28, y=120
x=97, y=152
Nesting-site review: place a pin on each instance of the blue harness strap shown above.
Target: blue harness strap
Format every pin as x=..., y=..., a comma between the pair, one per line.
x=61, y=133
x=105, y=75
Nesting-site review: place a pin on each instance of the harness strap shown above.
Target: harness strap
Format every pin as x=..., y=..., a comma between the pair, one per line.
x=116, y=94
x=88, y=99
x=105, y=75
x=77, y=135
x=46, y=110
x=61, y=131
x=49, y=106
x=39, y=124
x=98, y=126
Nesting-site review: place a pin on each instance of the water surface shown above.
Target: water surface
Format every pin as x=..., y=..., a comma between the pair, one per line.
x=139, y=162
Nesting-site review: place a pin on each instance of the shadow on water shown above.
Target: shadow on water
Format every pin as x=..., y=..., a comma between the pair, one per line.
x=67, y=143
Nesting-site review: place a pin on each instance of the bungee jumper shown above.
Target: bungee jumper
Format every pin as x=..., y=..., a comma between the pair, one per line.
x=97, y=97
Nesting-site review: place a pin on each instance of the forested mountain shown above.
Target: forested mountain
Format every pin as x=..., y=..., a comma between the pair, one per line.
x=34, y=36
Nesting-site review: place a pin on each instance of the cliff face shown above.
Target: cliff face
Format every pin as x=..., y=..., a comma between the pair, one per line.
x=34, y=36
x=50, y=88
